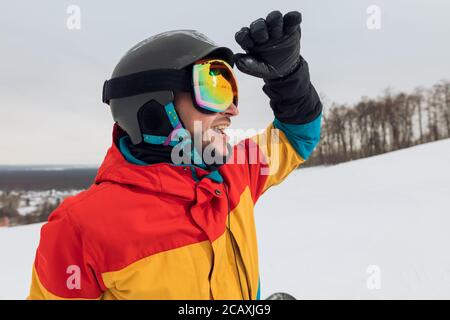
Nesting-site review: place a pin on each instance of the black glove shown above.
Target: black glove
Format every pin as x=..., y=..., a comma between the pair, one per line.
x=293, y=99
x=273, y=53
x=272, y=45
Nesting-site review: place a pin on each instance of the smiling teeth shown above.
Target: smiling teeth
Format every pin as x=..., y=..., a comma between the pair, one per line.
x=220, y=127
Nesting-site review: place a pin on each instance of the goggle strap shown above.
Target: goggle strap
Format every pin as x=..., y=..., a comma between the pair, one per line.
x=146, y=81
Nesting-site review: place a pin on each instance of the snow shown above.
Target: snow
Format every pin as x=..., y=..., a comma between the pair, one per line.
x=23, y=211
x=17, y=249
x=322, y=230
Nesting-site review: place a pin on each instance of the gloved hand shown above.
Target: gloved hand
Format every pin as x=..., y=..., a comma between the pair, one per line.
x=273, y=53
x=272, y=45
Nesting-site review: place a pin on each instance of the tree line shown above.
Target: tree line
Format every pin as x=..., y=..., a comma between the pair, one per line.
x=389, y=122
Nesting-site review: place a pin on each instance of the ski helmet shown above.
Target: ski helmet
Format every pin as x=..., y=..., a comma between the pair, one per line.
x=149, y=74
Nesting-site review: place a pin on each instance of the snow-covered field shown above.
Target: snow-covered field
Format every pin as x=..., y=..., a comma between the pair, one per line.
x=323, y=228
x=17, y=248
x=372, y=228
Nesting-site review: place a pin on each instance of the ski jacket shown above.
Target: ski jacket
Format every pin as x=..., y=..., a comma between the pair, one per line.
x=164, y=231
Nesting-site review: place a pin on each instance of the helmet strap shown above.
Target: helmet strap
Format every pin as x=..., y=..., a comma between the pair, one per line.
x=177, y=131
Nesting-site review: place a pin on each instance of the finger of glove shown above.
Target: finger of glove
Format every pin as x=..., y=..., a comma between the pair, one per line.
x=249, y=65
x=258, y=31
x=244, y=39
x=291, y=21
x=274, y=23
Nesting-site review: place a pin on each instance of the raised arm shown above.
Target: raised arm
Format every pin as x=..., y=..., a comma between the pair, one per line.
x=272, y=48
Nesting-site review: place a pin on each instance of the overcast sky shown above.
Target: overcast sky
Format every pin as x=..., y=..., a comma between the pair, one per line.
x=51, y=77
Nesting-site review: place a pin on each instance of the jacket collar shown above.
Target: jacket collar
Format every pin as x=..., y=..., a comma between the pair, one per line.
x=160, y=177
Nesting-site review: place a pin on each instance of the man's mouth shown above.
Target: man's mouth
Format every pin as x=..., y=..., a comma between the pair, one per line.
x=220, y=128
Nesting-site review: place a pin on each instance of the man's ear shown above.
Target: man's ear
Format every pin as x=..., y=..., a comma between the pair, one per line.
x=153, y=119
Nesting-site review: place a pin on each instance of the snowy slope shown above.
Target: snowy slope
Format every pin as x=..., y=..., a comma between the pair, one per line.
x=17, y=248
x=322, y=228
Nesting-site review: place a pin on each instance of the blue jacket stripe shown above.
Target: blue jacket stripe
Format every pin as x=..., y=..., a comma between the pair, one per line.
x=303, y=137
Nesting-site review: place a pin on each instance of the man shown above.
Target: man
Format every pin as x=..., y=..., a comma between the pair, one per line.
x=166, y=218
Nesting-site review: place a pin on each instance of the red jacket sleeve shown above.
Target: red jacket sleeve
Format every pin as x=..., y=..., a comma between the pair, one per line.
x=63, y=267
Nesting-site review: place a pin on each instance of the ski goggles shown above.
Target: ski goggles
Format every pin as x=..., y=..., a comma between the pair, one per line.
x=211, y=82
x=214, y=85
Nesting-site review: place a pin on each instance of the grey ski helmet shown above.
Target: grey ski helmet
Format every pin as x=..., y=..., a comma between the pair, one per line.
x=153, y=70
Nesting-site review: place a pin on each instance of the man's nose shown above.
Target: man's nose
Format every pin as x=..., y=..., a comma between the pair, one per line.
x=232, y=110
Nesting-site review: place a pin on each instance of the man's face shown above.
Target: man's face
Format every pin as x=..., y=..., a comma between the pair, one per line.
x=212, y=125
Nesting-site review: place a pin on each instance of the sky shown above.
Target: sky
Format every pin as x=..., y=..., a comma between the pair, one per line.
x=51, y=76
